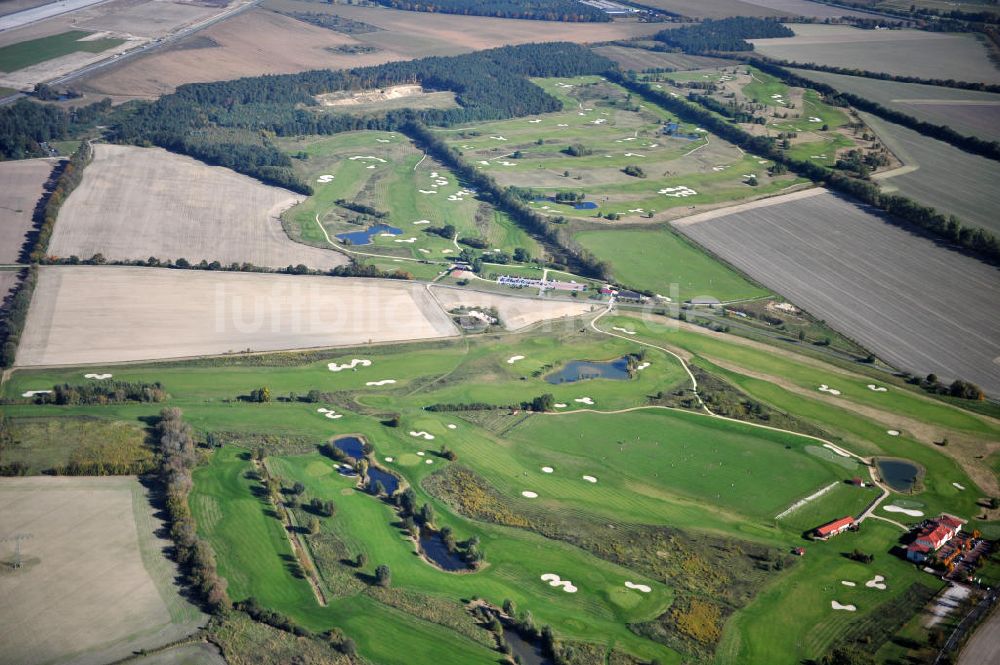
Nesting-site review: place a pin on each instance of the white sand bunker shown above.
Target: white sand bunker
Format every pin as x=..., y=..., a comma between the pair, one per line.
x=877, y=389
x=638, y=587
x=848, y=608
x=528, y=494
x=97, y=377
x=514, y=359
x=590, y=479
x=329, y=413
x=424, y=251
x=406, y=240
x=877, y=582
x=641, y=366
x=422, y=434
x=371, y=157
x=830, y=446
x=452, y=426
x=955, y=485
x=32, y=393
x=383, y=140
x=547, y=469
x=390, y=459
x=421, y=453
x=498, y=138
x=427, y=191
x=383, y=382
x=677, y=192
x=815, y=119
x=624, y=330
x=535, y=121
x=430, y=461
x=892, y=432
x=562, y=125
x=325, y=178
x=555, y=581
x=584, y=400
x=559, y=405
x=904, y=511
x=823, y=388
x=847, y=583
x=357, y=362
x=421, y=221
x=633, y=154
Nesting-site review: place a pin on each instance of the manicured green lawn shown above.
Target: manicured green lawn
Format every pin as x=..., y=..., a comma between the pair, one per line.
x=24, y=54
x=658, y=259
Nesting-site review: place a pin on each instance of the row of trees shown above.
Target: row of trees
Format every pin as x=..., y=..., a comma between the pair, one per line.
x=104, y=392
x=539, y=10
x=68, y=180
x=971, y=144
x=178, y=459
x=728, y=34
x=899, y=208
x=12, y=321
x=886, y=76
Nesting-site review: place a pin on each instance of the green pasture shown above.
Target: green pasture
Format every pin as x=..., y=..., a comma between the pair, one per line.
x=763, y=86
x=821, y=152
x=658, y=259
x=33, y=51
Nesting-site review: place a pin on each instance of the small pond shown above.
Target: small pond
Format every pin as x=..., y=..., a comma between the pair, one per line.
x=900, y=475
x=365, y=237
x=433, y=545
x=586, y=205
x=528, y=653
x=581, y=370
x=352, y=446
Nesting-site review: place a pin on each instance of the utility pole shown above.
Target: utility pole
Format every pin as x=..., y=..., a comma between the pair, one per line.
x=16, y=538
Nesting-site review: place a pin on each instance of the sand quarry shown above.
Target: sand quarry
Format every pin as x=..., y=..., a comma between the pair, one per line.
x=86, y=314
x=84, y=558
x=134, y=203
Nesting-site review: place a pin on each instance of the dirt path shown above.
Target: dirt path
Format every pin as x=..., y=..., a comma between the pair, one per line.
x=984, y=646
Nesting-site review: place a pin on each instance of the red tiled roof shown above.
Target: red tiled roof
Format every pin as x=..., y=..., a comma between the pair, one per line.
x=935, y=534
x=917, y=547
x=950, y=521
x=835, y=525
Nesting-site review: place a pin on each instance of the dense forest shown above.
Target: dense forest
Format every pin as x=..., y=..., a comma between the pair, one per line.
x=25, y=125
x=972, y=144
x=203, y=119
x=728, y=34
x=539, y=10
x=900, y=208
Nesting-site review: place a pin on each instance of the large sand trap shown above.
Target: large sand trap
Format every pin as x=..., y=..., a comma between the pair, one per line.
x=555, y=581
x=515, y=312
x=134, y=203
x=877, y=582
x=905, y=511
x=95, y=576
x=837, y=606
x=645, y=588
x=85, y=314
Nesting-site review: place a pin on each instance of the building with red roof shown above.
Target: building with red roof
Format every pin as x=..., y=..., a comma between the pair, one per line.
x=933, y=536
x=835, y=527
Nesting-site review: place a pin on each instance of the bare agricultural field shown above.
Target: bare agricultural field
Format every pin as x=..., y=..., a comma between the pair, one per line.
x=95, y=585
x=23, y=186
x=515, y=312
x=8, y=280
x=970, y=112
x=907, y=52
x=918, y=306
x=765, y=8
x=940, y=175
x=134, y=203
x=640, y=59
x=85, y=315
x=266, y=42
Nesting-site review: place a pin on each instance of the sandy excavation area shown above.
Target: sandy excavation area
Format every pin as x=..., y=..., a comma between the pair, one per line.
x=21, y=186
x=135, y=203
x=87, y=314
x=90, y=588
x=261, y=41
x=515, y=312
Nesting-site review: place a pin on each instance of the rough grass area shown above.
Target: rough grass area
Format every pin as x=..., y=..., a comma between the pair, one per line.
x=77, y=446
x=664, y=262
x=31, y=52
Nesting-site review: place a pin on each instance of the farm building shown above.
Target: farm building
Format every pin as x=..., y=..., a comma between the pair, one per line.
x=932, y=536
x=834, y=528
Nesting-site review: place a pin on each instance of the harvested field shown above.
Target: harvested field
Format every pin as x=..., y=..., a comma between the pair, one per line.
x=766, y=8
x=8, y=280
x=969, y=112
x=134, y=203
x=83, y=314
x=905, y=52
x=918, y=306
x=265, y=42
x=95, y=585
x=640, y=59
x=939, y=175
x=23, y=186
x=515, y=313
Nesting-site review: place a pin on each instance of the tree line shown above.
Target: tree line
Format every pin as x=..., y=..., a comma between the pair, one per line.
x=68, y=180
x=728, y=34
x=105, y=392
x=970, y=144
x=25, y=125
x=538, y=10
x=886, y=76
x=899, y=208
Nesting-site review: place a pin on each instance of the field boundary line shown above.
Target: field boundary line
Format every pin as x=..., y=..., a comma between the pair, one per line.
x=801, y=502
